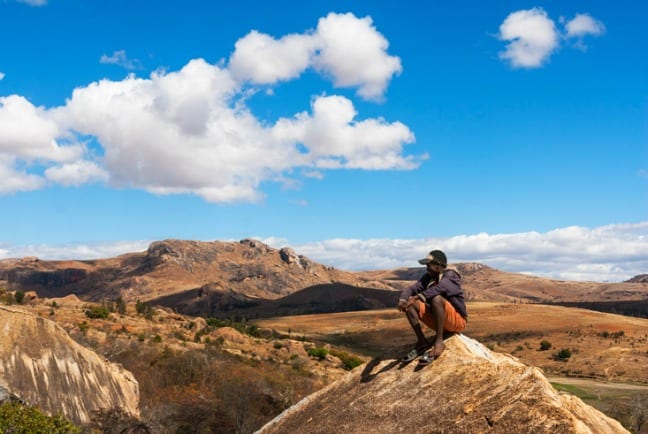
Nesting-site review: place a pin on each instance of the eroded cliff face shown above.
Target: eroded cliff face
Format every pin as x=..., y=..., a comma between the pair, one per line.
x=43, y=366
x=469, y=389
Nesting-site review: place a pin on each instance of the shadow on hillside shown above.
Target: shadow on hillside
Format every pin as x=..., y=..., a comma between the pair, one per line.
x=368, y=374
x=636, y=308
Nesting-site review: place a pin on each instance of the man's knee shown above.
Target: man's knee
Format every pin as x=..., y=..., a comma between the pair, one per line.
x=414, y=308
x=438, y=302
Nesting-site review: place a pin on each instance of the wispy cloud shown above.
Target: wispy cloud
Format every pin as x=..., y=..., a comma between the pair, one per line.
x=2, y=75
x=607, y=253
x=33, y=2
x=73, y=251
x=191, y=131
x=532, y=36
x=120, y=58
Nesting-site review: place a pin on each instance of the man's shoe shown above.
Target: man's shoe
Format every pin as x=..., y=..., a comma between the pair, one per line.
x=427, y=358
x=413, y=354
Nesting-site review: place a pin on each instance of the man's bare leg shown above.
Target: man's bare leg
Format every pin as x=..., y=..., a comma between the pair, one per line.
x=438, y=311
x=412, y=317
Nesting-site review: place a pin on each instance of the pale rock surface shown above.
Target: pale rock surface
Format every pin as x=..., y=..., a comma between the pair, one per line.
x=42, y=366
x=469, y=389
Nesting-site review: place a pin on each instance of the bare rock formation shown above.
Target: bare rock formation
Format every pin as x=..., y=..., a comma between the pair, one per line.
x=639, y=278
x=469, y=389
x=42, y=366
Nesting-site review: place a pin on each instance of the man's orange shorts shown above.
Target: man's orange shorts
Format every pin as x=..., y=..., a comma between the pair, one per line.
x=453, y=321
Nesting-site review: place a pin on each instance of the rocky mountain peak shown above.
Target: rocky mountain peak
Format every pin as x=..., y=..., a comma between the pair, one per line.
x=467, y=389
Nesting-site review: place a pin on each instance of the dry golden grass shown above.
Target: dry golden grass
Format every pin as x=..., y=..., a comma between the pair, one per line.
x=603, y=346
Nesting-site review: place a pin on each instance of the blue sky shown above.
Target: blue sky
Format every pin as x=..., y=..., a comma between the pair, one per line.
x=362, y=134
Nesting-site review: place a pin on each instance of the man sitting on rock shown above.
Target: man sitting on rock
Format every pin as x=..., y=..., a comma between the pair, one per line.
x=437, y=300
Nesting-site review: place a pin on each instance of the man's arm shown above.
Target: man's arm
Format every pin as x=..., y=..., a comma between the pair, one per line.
x=408, y=293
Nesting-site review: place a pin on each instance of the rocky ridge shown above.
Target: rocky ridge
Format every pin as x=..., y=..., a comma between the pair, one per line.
x=249, y=268
x=467, y=389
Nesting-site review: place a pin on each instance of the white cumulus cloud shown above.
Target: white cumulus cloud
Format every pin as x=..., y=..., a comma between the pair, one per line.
x=264, y=60
x=335, y=140
x=30, y=140
x=532, y=35
x=191, y=131
x=348, y=49
x=583, y=24
x=14, y=180
x=76, y=173
x=355, y=54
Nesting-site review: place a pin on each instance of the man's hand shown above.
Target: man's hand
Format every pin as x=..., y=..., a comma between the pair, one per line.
x=403, y=305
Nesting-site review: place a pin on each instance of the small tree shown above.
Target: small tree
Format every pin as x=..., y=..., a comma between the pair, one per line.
x=145, y=309
x=19, y=296
x=121, y=305
x=545, y=345
x=564, y=354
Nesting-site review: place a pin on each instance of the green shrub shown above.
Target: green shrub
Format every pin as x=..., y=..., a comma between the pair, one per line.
x=97, y=312
x=84, y=326
x=348, y=360
x=19, y=296
x=8, y=298
x=215, y=322
x=318, y=352
x=157, y=339
x=18, y=418
x=545, y=345
x=563, y=354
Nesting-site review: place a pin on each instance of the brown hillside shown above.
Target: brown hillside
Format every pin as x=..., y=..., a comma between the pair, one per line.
x=169, y=267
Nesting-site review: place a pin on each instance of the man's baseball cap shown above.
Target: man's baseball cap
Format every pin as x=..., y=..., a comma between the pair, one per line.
x=436, y=256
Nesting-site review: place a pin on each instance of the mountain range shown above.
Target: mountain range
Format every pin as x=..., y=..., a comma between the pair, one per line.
x=250, y=279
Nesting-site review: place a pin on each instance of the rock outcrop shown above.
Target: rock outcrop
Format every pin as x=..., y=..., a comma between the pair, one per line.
x=639, y=278
x=469, y=389
x=42, y=366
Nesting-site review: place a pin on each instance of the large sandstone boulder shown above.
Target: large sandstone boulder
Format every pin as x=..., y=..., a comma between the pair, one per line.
x=469, y=389
x=42, y=366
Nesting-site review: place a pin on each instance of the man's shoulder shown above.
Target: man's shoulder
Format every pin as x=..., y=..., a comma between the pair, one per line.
x=451, y=273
